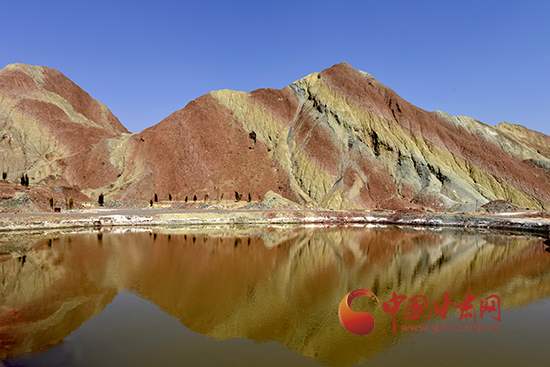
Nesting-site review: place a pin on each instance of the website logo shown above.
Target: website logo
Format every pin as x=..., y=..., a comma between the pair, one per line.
x=418, y=308
x=359, y=323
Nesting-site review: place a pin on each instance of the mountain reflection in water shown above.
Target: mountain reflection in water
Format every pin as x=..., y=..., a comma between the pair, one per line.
x=265, y=284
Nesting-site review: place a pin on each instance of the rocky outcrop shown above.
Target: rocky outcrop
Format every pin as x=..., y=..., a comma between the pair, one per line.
x=338, y=139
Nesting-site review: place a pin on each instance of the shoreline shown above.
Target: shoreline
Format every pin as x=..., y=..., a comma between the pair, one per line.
x=180, y=218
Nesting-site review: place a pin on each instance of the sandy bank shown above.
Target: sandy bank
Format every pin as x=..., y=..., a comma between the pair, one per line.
x=168, y=217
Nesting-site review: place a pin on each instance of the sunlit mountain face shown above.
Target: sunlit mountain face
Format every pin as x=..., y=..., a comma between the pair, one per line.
x=336, y=139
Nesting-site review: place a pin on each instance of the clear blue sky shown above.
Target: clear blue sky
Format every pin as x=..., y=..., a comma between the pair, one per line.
x=146, y=59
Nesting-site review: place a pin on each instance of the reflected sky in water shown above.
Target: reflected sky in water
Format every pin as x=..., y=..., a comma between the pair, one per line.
x=266, y=296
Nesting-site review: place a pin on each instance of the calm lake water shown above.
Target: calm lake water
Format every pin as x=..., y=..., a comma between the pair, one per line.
x=269, y=297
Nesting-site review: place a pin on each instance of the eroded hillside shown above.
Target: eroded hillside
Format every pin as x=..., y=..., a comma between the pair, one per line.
x=338, y=139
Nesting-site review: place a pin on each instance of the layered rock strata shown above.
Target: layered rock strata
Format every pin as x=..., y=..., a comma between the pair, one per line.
x=338, y=139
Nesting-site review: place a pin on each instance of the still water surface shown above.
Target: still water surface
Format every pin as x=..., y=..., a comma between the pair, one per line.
x=268, y=297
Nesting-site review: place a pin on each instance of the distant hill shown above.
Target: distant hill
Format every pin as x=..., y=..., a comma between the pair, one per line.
x=53, y=131
x=338, y=139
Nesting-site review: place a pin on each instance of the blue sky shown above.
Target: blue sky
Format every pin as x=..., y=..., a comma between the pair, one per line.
x=146, y=59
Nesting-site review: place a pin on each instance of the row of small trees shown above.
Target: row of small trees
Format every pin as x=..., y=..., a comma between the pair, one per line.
x=70, y=203
x=101, y=198
x=24, y=178
x=238, y=197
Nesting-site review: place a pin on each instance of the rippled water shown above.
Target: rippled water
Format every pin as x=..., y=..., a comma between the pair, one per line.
x=267, y=296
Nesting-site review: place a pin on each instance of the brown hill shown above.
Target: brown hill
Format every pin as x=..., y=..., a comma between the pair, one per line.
x=52, y=130
x=338, y=139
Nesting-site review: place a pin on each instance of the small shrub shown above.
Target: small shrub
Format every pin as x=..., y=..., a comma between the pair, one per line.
x=221, y=197
x=24, y=180
x=252, y=136
x=205, y=197
x=237, y=196
x=71, y=203
x=100, y=199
